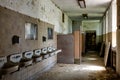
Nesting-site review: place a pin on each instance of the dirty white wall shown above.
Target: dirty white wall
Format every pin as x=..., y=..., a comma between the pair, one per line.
x=44, y=10
x=76, y=25
x=67, y=25
x=110, y=24
x=104, y=28
x=114, y=23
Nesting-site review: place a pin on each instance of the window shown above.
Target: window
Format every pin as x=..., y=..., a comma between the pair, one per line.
x=31, y=31
x=50, y=33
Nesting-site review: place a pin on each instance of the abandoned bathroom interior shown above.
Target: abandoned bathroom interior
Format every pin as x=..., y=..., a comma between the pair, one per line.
x=59, y=39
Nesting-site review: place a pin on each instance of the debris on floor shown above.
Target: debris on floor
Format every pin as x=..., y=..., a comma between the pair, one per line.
x=77, y=72
x=108, y=74
x=91, y=68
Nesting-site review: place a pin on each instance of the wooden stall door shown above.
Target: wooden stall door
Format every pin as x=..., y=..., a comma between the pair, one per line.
x=66, y=43
x=78, y=46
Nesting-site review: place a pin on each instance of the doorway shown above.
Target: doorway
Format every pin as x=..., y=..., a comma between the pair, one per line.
x=90, y=40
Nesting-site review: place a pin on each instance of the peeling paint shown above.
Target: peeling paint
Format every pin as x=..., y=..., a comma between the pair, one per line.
x=44, y=10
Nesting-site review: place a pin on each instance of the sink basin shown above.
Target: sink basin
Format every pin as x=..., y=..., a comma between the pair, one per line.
x=36, y=56
x=15, y=58
x=28, y=54
x=3, y=60
x=12, y=63
x=27, y=59
x=37, y=52
x=54, y=48
x=44, y=50
x=50, y=49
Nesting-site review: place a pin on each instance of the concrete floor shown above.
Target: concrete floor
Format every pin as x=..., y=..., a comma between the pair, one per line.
x=91, y=68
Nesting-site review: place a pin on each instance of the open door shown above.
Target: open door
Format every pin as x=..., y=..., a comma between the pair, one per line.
x=90, y=41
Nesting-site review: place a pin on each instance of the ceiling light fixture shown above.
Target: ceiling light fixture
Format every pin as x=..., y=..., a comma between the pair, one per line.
x=85, y=16
x=82, y=3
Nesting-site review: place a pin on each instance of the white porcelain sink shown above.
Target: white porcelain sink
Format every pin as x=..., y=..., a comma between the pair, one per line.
x=50, y=49
x=36, y=56
x=15, y=58
x=37, y=52
x=44, y=50
x=28, y=54
x=27, y=59
x=3, y=60
x=54, y=48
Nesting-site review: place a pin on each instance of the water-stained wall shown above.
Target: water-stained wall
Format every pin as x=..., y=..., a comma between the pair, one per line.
x=44, y=10
x=109, y=25
x=13, y=23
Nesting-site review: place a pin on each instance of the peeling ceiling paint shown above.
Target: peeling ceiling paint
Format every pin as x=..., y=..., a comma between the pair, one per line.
x=95, y=8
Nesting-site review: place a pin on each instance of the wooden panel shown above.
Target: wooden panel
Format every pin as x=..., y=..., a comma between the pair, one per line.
x=66, y=43
x=77, y=44
x=80, y=46
x=107, y=48
x=102, y=49
x=83, y=43
x=113, y=58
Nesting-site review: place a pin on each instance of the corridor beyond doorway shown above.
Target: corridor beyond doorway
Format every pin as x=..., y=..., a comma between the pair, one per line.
x=90, y=41
x=91, y=68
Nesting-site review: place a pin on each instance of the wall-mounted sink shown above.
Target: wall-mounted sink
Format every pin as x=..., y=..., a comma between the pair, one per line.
x=12, y=63
x=37, y=52
x=50, y=49
x=36, y=55
x=15, y=58
x=44, y=50
x=27, y=59
x=28, y=54
x=3, y=60
x=53, y=48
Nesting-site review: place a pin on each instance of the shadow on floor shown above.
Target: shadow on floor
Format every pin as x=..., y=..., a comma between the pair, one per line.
x=91, y=68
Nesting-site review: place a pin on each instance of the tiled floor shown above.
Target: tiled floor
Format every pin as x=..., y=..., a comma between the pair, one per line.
x=91, y=68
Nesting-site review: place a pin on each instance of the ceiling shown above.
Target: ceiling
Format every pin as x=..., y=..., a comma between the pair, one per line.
x=94, y=8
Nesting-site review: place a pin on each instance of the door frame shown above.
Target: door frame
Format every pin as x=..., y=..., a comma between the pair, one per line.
x=89, y=31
